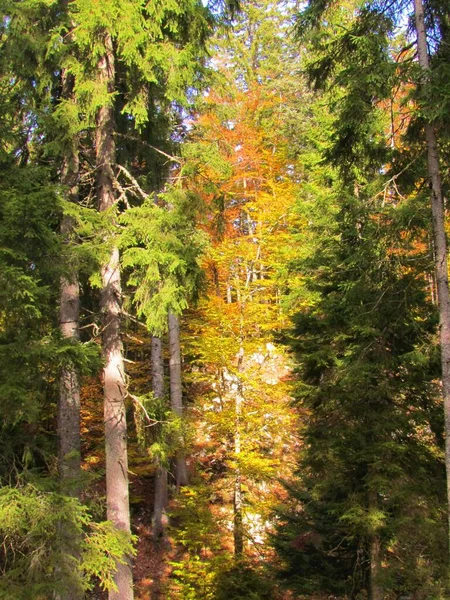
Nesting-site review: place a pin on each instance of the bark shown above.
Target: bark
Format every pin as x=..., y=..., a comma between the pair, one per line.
x=118, y=511
x=440, y=245
x=69, y=313
x=68, y=410
x=160, y=519
x=176, y=394
x=229, y=297
x=238, y=529
x=376, y=591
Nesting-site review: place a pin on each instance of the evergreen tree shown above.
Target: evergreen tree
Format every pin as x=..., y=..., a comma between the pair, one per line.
x=364, y=498
x=359, y=59
x=363, y=339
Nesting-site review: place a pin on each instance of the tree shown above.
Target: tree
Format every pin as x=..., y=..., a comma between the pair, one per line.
x=111, y=72
x=121, y=56
x=371, y=413
x=361, y=61
x=440, y=241
x=239, y=163
x=161, y=479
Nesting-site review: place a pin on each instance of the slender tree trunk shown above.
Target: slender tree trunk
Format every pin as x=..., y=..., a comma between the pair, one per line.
x=69, y=447
x=176, y=395
x=238, y=528
x=440, y=245
x=69, y=313
x=229, y=297
x=376, y=592
x=118, y=510
x=161, y=481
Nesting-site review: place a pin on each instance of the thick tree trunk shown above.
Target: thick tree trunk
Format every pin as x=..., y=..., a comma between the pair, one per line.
x=440, y=245
x=176, y=395
x=161, y=480
x=69, y=451
x=118, y=511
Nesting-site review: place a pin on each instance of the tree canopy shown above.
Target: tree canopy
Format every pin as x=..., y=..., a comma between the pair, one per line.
x=224, y=302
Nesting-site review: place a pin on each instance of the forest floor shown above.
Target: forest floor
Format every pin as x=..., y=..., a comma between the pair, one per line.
x=151, y=564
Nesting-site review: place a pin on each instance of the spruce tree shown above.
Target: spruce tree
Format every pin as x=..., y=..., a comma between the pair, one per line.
x=363, y=504
x=359, y=59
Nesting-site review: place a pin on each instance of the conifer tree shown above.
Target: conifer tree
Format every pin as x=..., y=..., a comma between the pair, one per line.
x=360, y=60
x=360, y=348
x=366, y=386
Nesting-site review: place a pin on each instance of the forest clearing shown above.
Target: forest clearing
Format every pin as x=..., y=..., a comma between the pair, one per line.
x=224, y=300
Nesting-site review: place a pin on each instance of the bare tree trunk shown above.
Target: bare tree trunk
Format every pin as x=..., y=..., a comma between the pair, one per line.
x=176, y=394
x=229, y=297
x=161, y=481
x=238, y=531
x=440, y=245
x=69, y=446
x=118, y=510
x=238, y=527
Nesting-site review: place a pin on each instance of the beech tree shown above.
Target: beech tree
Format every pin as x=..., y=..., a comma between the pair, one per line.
x=237, y=160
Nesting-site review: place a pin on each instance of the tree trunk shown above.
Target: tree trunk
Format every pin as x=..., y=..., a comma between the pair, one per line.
x=176, y=395
x=160, y=519
x=376, y=592
x=238, y=529
x=69, y=447
x=440, y=245
x=229, y=296
x=118, y=510
x=69, y=313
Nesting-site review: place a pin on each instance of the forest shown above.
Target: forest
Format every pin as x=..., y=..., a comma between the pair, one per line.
x=224, y=300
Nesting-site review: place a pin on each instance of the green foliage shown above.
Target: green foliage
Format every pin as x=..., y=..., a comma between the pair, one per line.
x=206, y=570
x=32, y=351
x=364, y=334
x=156, y=45
x=29, y=277
x=243, y=581
x=367, y=388
x=162, y=253
x=89, y=241
x=35, y=558
x=159, y=431
x=203, y=558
